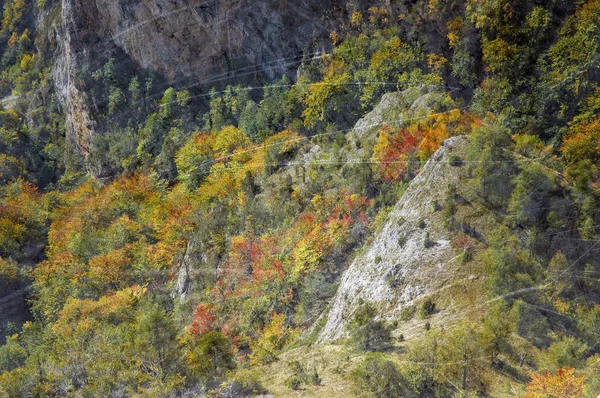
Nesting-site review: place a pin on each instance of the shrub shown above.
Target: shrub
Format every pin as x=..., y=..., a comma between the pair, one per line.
x=273, y=338
x=427, y=308
x=466, y=256
x=315, y=378
x=407, y=313
x=213, y=355
x=367, y=333
x=449, y=207
x=427, y=242
x=245, y=383
x=293, y=382
x=402, y=240
x=455, y=161
x=377, y=377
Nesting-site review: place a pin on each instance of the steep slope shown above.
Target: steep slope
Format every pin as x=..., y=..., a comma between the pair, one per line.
x=188, y=43
x=412, y=257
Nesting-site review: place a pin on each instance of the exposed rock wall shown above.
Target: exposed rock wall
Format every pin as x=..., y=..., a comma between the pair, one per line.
x=188, y=42
x=400, y=267
x=73, y=54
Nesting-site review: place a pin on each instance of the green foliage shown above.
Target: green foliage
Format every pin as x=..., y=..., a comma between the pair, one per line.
x=568, y=351
x=511, y=270
x=427, y=308
x=427, y=242
x=408, y=313
x=155, y=342
x=367, y=333
x=272, y=114
x=491, y=163
x=259, y=239
x=301, y=375
x=530, y=323
x=212, y=356
x=376, y=376
x=449, y=209
x=12, y=355
x=533, y=188
x=194, y=160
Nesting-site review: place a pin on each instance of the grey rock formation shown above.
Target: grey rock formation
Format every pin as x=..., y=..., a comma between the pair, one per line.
x=188, y=42
x=397, y=268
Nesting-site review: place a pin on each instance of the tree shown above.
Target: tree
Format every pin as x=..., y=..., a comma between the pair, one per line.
x=155, y=342
x=567, y=352
x=330, y=97
x=367, y=333
x=533, y=188
x=379, y=378
x=272, y=339
x=510, y=269
x=561, y=384
x=497, y=329
x=204, y=320
x=491, y=162
x=212, y=356
x=195, y=159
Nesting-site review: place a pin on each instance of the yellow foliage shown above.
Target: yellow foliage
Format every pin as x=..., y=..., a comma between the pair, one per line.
x=356, y=18
x=455, y=27
x=320, y=94
x=14, y=38
x=436, y=62
x=562, y=384
x=78, y=315
x=497, y=54
x=230, y=139
x=272, y=339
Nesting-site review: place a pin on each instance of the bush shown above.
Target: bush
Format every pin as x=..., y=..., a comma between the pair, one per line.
x=300, y=375
x=293, y=382
x=245, y=383
x=449, y=207
x=427, y=308
x=408, y=313
x=377, y=377
x=466, y=256
x=367, y=333
x=427, y=242
x=402, y=240
x=315, y=378
x=455, y=161
x=213, y=355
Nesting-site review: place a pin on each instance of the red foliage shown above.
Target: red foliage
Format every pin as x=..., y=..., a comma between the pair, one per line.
x=204, y=320
x=463, y=242
x=393, y=150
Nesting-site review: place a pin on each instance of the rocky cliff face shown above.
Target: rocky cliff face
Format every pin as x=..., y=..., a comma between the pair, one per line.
x=188, y=42
x=193, y=38
x=411, y=257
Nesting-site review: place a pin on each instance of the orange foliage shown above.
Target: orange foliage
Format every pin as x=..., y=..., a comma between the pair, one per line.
x=562, y=384
x=393, y=150
x=583, y=143
x=204, y=320
x=82, y=313
x=109, y=270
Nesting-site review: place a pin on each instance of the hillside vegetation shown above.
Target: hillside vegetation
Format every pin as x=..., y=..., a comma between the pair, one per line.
x=412, y=211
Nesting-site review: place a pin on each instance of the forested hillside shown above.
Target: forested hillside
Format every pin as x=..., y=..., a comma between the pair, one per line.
x=337, y=198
